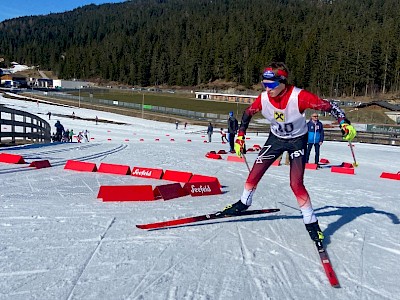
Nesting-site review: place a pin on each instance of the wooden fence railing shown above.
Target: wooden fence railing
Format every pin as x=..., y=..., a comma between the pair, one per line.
x=19, y=125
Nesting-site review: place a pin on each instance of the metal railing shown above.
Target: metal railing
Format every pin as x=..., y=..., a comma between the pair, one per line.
x=19, y=125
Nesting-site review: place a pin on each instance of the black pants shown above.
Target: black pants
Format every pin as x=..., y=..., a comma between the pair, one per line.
x=316, y=147
x=273, y=148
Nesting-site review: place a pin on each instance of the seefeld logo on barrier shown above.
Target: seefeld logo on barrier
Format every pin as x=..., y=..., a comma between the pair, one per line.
x=147, y=172
x=143, y=173
x=201, y=189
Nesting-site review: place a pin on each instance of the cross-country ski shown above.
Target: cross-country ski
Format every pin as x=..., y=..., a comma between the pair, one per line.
x=213, y=216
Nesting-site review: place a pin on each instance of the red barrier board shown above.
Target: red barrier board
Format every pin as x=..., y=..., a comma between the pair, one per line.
x=342, y=170
x=169, y=191
x=126, y=193
x=77, y=165
x=114, y=169
x=221, y=152
x=39, y=164
x=310, y=166
x=213, y=156
x=203, y=178
x=147, y=172
x=347, y=165
x=235, y=158
x=390, y=175
x=11, y=158
x=202, y=188
x=324, y=161
x=177, y=176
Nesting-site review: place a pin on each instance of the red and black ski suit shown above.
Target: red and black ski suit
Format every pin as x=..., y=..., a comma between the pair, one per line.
x=288, y=133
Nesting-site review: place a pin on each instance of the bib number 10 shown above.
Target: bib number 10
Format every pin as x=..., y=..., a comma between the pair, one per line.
x=286, y=128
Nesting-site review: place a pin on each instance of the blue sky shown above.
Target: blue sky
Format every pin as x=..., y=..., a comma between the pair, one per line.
x=21, y=8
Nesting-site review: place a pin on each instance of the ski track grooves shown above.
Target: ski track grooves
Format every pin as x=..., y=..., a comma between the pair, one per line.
x=62, y=162
x=180, y=261
x=246, y=256
x=100, y=242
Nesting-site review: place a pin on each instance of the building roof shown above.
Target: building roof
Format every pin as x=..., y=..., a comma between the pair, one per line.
x=227, y=95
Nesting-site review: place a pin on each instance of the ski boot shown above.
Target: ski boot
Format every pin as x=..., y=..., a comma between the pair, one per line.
x=234, y=209
x=316, y=235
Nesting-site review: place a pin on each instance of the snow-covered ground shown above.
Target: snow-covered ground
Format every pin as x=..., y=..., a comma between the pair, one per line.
x=16, y=67
x=58, y=241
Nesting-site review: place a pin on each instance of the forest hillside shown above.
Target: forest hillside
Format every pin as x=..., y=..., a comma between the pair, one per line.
x=334, y=48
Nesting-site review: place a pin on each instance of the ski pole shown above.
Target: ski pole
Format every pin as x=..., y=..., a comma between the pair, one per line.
x=355, y=164
x=245, y=160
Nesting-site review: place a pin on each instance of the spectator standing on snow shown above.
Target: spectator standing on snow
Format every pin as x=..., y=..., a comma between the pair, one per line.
x=315, y=137
x=97, y=120
x=283, y=105
x=71, y=134
x=176, y=124
x=49, y=114
x=232, y=130
x=65, y=136
x=59, y=130
x=210, y=130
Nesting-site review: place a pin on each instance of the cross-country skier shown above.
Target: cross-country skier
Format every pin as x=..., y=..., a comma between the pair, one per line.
x=283, y=105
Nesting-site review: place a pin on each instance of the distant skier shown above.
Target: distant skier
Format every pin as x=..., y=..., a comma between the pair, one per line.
x=86, y=134
x=79, y=137
x=223, y=135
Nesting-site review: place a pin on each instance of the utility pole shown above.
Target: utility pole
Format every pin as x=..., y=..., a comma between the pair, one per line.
x=143, y=107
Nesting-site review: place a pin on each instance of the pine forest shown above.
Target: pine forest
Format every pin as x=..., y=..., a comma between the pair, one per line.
x=333, y=48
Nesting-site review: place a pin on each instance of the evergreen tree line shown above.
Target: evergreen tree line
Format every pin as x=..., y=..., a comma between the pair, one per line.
x=333, y=48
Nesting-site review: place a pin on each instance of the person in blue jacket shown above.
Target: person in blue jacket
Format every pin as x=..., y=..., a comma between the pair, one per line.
x=315, y=136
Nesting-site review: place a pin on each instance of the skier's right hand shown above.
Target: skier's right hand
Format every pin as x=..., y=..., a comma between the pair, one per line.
x=348, y=131
x=239, y=145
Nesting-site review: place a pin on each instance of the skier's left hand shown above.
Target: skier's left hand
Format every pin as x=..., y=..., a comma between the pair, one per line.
x=348, y=131
x=239, y=145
